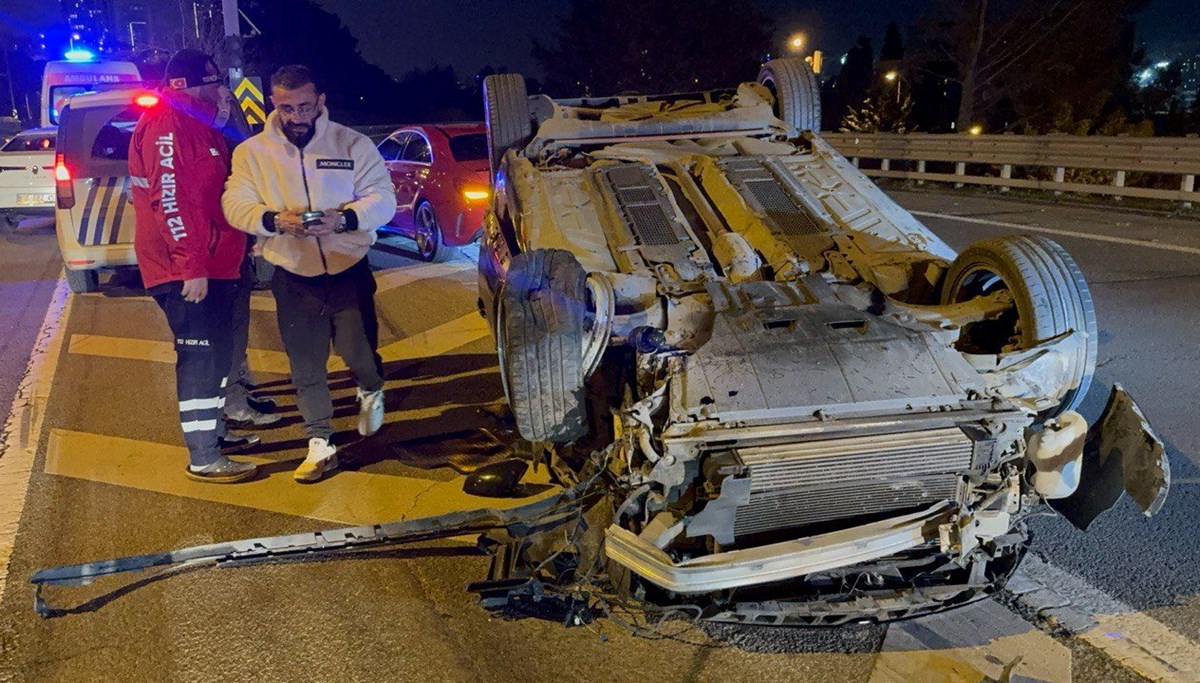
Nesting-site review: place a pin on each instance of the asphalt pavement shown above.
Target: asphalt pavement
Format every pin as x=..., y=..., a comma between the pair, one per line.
x=104, y=480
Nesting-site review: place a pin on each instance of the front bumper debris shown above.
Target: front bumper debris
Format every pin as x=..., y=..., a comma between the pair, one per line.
x=499, y=525
x=1122, y=455
x=777, y=561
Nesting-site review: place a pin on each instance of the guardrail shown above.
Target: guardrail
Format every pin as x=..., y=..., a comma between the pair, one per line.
x=1041, y=162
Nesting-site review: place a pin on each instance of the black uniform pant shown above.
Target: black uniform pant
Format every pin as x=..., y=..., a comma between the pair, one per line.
x=314, y=311
x=203, y=351
x=238, y=390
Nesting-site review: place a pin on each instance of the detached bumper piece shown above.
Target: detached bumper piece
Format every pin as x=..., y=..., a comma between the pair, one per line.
x=777, y=561
x=1122, y=455
x=500, y=525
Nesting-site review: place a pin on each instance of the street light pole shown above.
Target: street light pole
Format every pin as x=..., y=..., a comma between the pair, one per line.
x=233, y=39
x=12, y=96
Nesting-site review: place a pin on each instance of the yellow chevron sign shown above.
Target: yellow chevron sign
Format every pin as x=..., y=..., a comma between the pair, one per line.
x=249, y=95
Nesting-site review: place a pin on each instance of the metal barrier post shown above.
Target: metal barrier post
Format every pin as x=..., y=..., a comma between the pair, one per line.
x=1119, y=181
x=1189, y=185
x=1005, y=173
x=921, y=169
x=1060, y=176
x=960, y=169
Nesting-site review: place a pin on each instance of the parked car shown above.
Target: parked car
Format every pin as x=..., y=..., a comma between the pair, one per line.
x=440, y=172
x=27, y=175
x=791, y=401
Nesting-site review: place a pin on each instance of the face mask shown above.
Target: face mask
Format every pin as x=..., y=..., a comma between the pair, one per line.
x=222, y=116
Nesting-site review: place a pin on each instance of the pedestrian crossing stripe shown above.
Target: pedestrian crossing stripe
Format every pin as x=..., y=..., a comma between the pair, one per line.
x=390, y=279
x=435, y=341
x=347, y=497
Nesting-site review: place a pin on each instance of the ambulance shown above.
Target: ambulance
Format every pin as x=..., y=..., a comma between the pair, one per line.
x=77, y=74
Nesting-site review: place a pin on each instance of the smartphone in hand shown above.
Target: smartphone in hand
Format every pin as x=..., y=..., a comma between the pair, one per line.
x=311, y=218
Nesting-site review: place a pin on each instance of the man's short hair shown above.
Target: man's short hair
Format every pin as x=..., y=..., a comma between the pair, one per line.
x=295, y=76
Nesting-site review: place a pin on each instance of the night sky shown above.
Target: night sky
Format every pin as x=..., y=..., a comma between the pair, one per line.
x=471, y=33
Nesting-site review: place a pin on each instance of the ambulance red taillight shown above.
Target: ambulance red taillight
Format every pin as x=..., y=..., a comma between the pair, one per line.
x=146, y=100
x=64, y=189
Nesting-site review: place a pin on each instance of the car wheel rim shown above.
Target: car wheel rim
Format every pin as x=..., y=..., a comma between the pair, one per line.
x=426, y=236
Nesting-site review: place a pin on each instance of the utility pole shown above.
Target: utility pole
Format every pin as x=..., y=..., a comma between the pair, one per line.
x=233, y=39
x=12, y=96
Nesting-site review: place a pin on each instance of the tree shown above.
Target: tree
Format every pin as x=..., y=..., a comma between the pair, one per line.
x=301, y=32
x=1029, y=54
x=881, y=112
x=850, y=85
x=609, y=47
x=892, y=50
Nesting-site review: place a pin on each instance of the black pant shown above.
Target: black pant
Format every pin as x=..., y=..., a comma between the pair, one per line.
x=313, y=311
x=238, y=389
x=203, y=351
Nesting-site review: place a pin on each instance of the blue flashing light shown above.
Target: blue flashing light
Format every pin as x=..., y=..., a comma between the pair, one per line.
x=79, y=55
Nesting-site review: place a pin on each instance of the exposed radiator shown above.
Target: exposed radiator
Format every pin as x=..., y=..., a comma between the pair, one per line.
x=806, y=483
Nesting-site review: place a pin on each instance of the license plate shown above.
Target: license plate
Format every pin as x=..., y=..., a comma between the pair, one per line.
x=35, y=199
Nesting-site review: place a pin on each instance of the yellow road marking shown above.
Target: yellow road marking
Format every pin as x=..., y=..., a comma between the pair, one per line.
x=387, y=280
x=972, y=643
x=23, y=430
x=432, y=342
x=345, y=498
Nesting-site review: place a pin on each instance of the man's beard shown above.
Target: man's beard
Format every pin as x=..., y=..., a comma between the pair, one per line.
x=298, y=134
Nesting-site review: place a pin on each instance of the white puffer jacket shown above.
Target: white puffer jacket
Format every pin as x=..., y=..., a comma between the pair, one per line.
x=338, y=169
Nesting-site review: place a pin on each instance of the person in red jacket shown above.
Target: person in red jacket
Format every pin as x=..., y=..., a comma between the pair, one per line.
x=189, y=256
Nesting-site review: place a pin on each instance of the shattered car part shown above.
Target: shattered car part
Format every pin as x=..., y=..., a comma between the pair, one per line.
x=1122, y=455
x=541, y=515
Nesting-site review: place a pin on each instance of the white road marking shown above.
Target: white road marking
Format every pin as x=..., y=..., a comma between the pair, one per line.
x=23, y=429
x=1063, y=233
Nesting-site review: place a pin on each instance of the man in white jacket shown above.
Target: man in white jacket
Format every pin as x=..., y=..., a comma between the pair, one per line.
x=300, y=166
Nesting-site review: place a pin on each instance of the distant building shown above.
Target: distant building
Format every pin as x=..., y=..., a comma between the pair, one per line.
x=131, y=21
x=1190, y=69
x=91, y=20
x=136, y=25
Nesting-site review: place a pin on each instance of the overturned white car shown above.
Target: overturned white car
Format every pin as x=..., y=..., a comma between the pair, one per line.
x=805, y=407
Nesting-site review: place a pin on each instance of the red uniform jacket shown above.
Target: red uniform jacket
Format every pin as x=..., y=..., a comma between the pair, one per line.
x=178, y=163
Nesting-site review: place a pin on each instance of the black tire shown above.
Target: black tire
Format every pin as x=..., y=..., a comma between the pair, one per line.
x=428, y=235
x=1051, y=298
x=540, y=343
x=506, y=109
x=83, y=281
x=796, y=90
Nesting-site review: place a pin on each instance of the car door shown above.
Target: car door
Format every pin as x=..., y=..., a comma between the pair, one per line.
x=415, y=162
x=390, y=149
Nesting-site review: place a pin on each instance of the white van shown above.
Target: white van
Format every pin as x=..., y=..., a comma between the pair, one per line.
x=63, y=79
x=94, y=217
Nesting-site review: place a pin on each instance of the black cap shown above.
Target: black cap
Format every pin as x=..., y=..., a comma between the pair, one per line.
x=190, y=69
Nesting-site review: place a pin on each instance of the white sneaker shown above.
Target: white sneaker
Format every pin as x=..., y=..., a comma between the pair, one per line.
x=322, y=459
x=370, y=411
